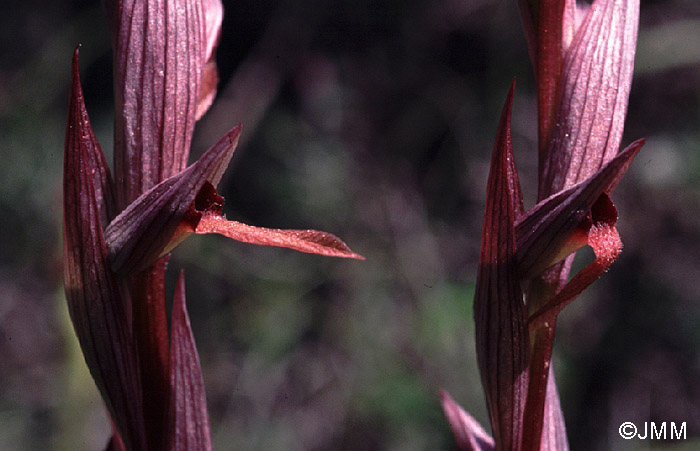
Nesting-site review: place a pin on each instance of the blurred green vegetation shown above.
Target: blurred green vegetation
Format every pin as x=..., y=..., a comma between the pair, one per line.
x=373, y=120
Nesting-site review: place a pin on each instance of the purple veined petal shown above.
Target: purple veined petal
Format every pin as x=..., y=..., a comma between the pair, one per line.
x=142, y=233
x=502, y=341
x=188, y=427
x=469, y=434
x=160, y=50
x=594, y=91
x=551, y=230
x=97, y=304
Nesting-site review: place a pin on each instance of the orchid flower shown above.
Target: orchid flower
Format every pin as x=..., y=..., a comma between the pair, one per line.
x=118, y=232
x=583, y=58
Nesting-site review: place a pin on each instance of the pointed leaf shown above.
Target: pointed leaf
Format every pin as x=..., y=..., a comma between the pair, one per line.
x=551, y=230
x=469, y=434
x=160, y=49
x=595, y=88
x=143, y=231
x=97, y=304
x=81, y=133
x=310, y=241
x=502, y=342
x=188, y=418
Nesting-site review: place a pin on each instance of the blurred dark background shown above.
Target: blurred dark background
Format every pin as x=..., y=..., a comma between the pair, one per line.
x=374, y=120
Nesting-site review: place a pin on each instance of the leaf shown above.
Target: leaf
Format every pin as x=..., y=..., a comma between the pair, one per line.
x=189, y=427
x=502, y=342
x=97, y=304
x=469, y=434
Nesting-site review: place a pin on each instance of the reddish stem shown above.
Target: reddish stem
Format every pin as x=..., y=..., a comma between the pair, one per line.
x=151, y=333
x=533, y=418
x=549, y=61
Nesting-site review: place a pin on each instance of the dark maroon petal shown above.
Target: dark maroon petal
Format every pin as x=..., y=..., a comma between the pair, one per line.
x=143, y=232
x=595, y=86
x=502, y=342
x=188, y=418
x=160, y=49
x=97, y=304
x=547, y=232
x=469, y=434
x=310, y=241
